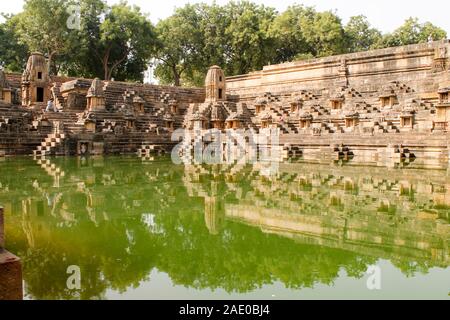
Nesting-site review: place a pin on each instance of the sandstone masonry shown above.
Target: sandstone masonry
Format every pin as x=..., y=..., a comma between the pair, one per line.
x=382, y=104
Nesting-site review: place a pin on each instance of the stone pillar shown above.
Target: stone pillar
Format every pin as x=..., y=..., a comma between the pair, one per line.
x=10, y=270
x=215, y=84
x=343, y=73
x=440, y=62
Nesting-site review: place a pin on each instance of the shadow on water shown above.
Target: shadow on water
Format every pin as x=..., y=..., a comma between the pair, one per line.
x=213, y=227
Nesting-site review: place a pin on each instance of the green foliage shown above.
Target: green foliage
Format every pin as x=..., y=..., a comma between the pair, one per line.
x=116, y=42
x=247, y=44
x=113, y=41
x=197, y=36
x=126, y=40
x=120, y=42
x=179, y=43
x=13, y=54
x=42, y=26
x=82, y=63
x=412, y=32
x=324, y=34
x=287, y=32
x=360, y=35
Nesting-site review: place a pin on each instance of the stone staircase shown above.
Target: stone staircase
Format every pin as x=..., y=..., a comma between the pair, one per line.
x=319, y=110
x=68, y=120
x=50, y=168
x=49, y=145
x=342, y=152
x=327, y=128
x=307, y=95
x=365, y=108
x=385, y=127
x=399, y=153
x=350, y=92
x=401, y=87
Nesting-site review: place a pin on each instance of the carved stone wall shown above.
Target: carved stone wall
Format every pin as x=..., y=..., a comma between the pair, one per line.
x=412, y=64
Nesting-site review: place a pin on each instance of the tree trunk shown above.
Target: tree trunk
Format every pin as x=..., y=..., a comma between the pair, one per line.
x=51, y=66
x=106, y=69
x=105, y=60
x=176, y=77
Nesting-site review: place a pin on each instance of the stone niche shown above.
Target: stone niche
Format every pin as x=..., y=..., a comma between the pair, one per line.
x=351, y=120
x=388, y=97
x=260, y=105
x=173, y=106
x=169, y=121
x=35, y=81
x=98, y=148
x=337, y=101
x=95, y=96
x=442, y=110
x=218, y=116
x=235, y=121
x=138, y=105
x=407, y=120
x=266, y=121
x=74, y=94
x=84, y=148
x=296, y=103
x=130, y=123
x=305, y=120
x=199, y=121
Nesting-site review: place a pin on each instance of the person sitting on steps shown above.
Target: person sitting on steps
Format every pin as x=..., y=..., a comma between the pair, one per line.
x=51, y=106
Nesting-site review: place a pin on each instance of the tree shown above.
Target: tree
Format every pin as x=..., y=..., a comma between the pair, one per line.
x=360, y=35
x=13, y=54
x=234, y=36
x=412, y=32
x=301, y=32
x=248, y=46
x=126, y=37
x=288, y=35
x=81, y=62
x=179, y=43
x=42, y=26
x=324, y=34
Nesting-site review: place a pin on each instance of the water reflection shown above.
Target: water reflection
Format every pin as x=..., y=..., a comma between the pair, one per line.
x=212, y=227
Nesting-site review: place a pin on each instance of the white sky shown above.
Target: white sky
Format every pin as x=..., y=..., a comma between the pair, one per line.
x=385, y=15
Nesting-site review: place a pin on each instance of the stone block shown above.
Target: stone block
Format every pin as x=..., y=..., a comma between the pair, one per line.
x=10, y=269
x=10, y=277
x=2, y=230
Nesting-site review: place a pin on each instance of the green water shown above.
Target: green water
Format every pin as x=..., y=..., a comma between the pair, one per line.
x=154, y=230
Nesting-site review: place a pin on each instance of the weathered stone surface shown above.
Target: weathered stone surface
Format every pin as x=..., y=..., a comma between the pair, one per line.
x=10, y=277
x=2, y=230
x=35, y=81
x=10, y=269
x=363, y=101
